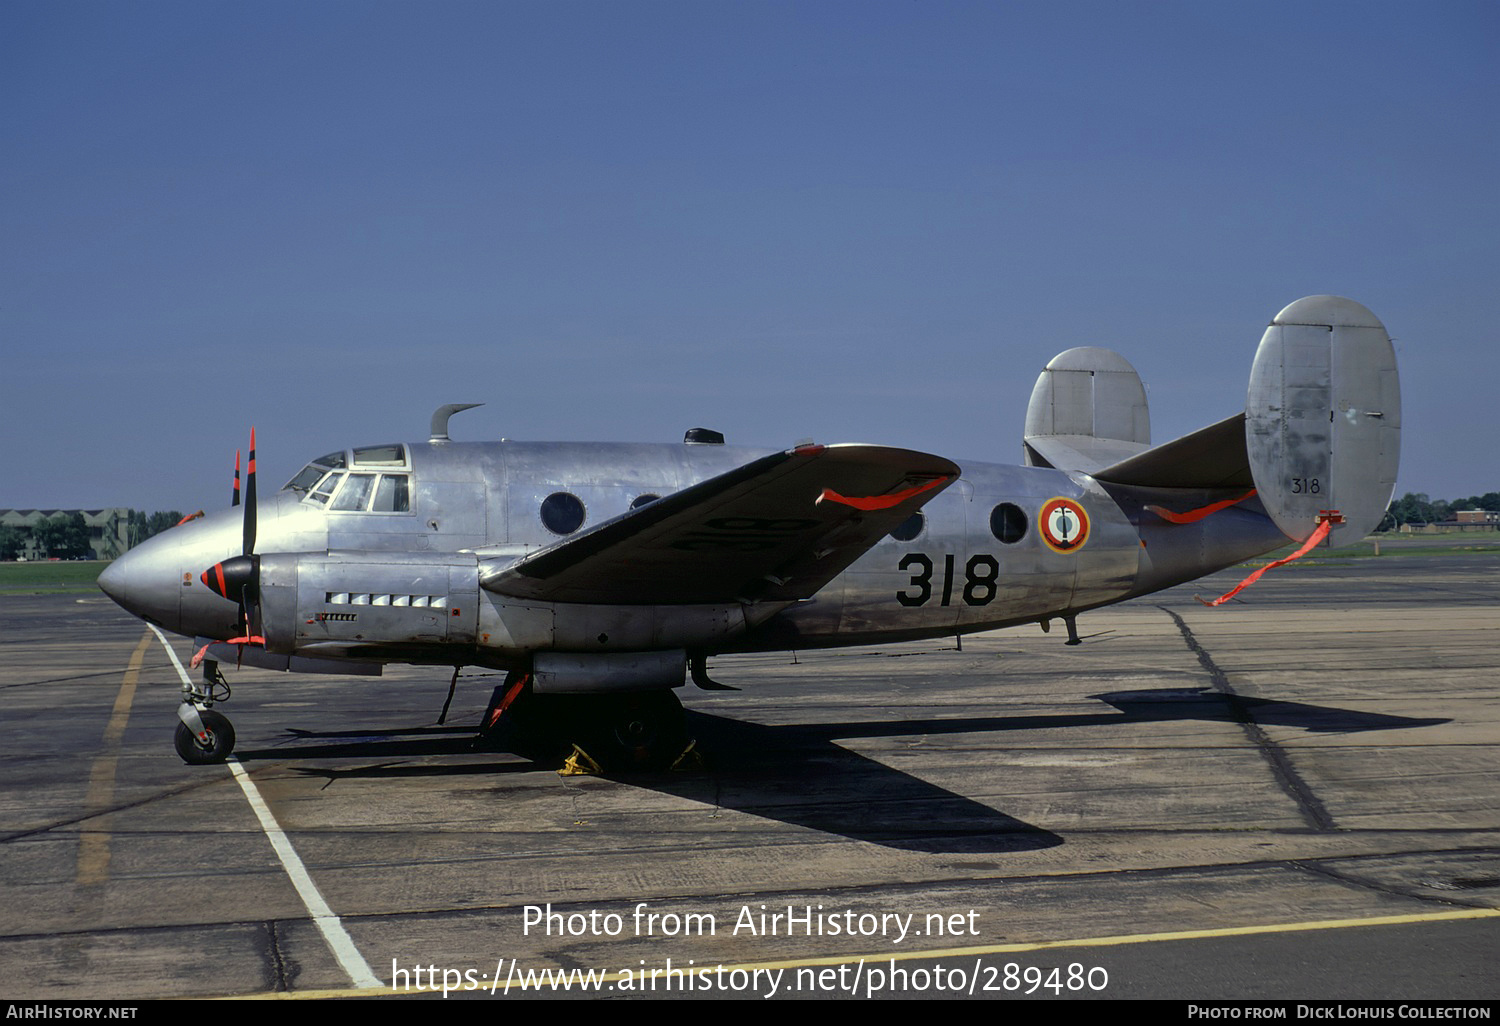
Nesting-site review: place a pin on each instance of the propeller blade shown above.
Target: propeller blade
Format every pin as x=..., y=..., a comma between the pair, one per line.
x=238, y=577
x=249, y=545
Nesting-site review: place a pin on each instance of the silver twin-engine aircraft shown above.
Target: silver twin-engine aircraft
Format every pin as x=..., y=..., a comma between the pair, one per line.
x=601, y=576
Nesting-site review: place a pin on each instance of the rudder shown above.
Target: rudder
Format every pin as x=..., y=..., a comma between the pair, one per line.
x=1323, y=419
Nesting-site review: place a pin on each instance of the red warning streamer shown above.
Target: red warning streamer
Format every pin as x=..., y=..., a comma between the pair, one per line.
x=505, y=703
x=1192, y=516
x=1307, y=546
x=874, y=502
x=198, y=656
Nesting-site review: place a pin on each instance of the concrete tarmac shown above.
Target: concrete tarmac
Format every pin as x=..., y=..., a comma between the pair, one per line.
x=1296, y=795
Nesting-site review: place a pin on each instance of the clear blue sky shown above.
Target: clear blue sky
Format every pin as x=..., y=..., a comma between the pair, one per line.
x=870, y=221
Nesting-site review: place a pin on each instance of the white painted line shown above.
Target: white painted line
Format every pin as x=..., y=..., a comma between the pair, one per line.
x=338, y=939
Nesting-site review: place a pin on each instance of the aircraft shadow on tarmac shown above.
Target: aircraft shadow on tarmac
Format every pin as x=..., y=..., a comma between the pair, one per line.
x=799, y=774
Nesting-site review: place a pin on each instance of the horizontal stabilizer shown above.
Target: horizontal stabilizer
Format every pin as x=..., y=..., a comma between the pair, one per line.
x=1211, y=457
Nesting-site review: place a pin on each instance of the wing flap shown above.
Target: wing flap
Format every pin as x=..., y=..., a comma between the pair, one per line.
x=777, y=529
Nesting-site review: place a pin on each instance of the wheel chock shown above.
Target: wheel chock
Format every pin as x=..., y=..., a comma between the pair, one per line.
x=580, y=764
x=690, y=759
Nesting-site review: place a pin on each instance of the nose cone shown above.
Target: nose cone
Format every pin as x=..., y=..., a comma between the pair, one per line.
x=112, y=581
x=145, y=580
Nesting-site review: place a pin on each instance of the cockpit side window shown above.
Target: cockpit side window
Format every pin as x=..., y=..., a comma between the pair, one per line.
x=326, y=487
x=392, y=495
x=355, y=493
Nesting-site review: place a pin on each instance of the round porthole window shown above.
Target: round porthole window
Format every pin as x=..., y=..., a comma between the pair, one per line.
x=562, y=513
x=909, y=528
x=1008, y=522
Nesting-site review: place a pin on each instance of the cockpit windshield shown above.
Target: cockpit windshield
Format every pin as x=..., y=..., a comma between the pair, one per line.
x=384, y=491
x=314, y=471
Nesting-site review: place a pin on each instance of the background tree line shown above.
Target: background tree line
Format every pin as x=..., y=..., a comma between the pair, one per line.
x=1418, y=508
x=66, y=535
x=144, y=525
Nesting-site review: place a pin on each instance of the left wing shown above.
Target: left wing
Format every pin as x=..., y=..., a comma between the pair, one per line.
x=776, y=529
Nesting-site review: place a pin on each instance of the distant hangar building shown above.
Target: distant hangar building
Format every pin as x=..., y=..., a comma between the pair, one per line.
x=109, y=529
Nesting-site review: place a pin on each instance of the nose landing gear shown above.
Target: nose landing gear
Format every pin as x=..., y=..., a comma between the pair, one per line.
x=204, y=736
x=211, y=744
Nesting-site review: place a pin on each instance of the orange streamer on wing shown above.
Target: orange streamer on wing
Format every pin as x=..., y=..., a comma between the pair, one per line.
x=1192, y=516
x=874, y=502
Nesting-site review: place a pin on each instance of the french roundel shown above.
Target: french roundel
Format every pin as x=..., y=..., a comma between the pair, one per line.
x=1064, y=525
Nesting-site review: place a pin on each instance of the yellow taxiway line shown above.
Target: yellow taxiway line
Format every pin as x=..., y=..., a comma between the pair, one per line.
x=986, y=949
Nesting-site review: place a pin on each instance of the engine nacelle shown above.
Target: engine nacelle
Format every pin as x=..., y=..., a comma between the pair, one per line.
x=413, y=607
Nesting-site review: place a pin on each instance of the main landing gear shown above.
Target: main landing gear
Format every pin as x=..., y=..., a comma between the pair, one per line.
x=607, y=733
x=204, y=736
x=604, y=733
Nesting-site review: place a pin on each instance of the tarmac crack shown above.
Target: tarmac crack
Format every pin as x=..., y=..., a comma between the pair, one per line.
x=1358, y=883
x=105, y=811
x=1308, y=804
x=115, y=672
x=280, y=974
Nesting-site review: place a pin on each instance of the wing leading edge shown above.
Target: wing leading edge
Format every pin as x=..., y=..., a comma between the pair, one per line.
x=777, y=529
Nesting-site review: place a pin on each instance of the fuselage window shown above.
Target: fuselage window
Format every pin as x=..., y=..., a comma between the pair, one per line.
x=562, y=513
x=1008, y=523
x=641, y=500
x=355, y=493
x=909, y=528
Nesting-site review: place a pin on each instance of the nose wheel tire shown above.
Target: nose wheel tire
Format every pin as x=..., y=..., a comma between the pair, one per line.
x=215, y=747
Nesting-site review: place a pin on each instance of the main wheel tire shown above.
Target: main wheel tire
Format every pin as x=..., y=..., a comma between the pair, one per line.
x=641, y=731
x=637, y=731
x=216, y=748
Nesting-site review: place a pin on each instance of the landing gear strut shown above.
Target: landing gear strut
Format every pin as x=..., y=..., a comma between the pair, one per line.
x=204, y=736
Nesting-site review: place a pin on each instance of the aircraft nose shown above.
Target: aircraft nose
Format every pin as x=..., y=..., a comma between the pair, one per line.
x=113, y=580
x=144, y=581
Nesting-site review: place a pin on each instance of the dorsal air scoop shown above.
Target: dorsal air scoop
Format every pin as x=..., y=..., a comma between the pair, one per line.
x=440, y=419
